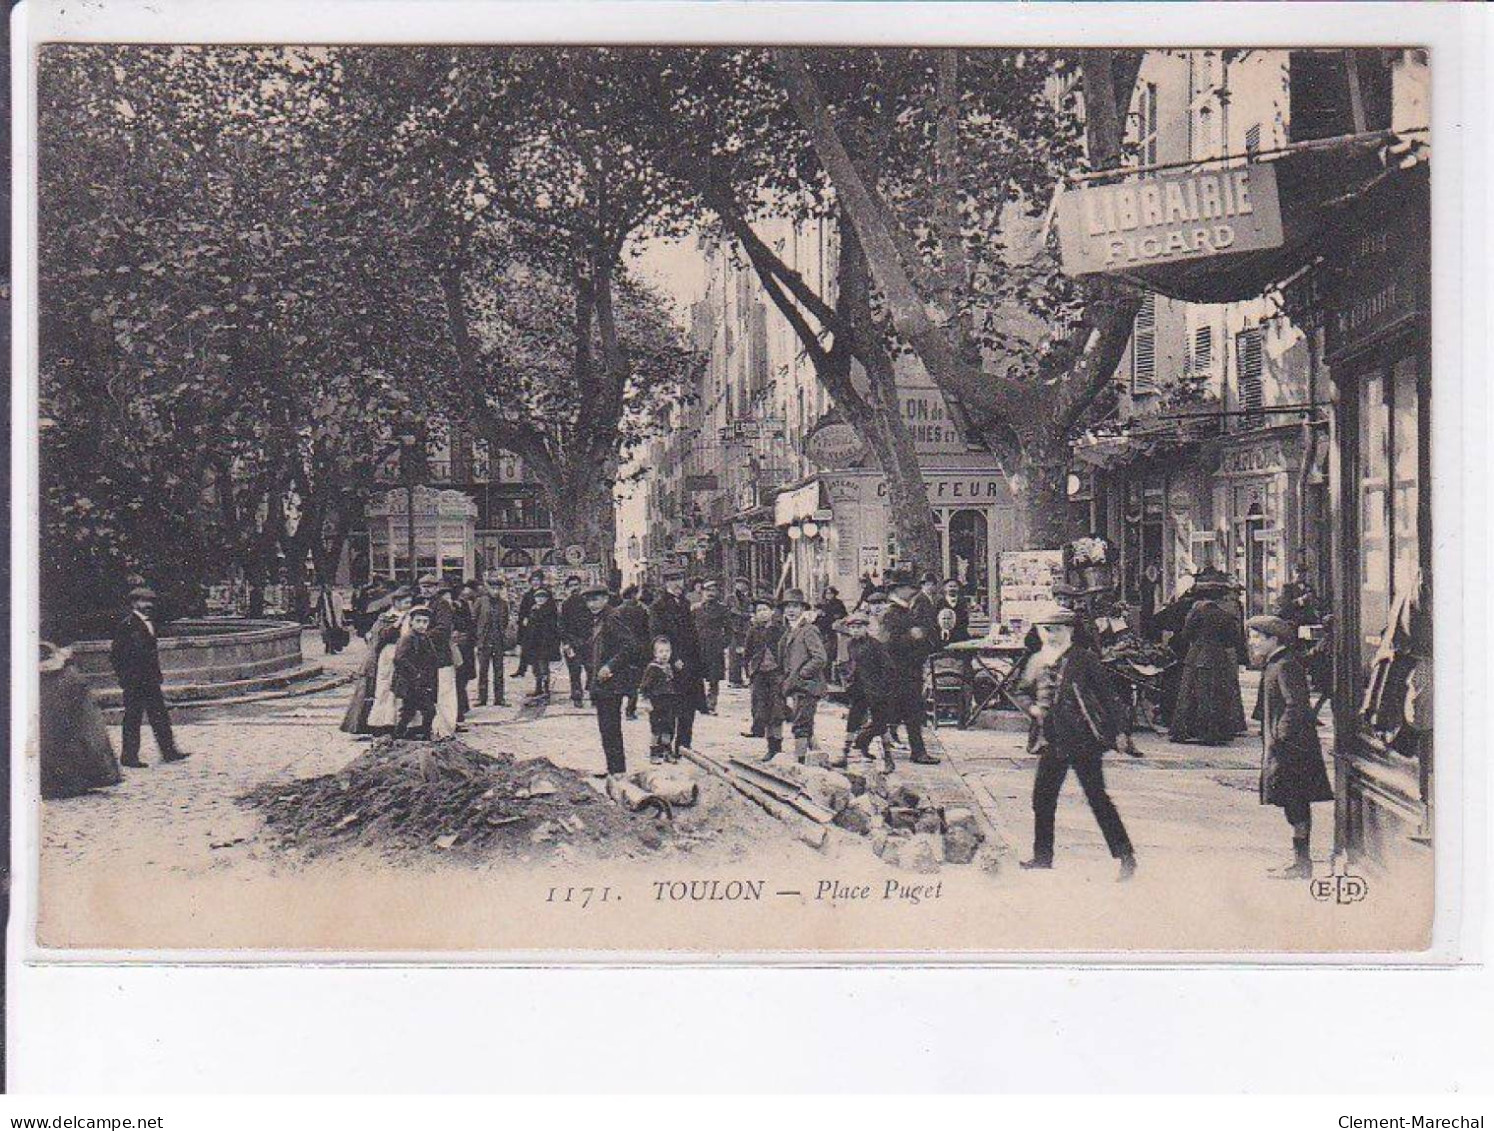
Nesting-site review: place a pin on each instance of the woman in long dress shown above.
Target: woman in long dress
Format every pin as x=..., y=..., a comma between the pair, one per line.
x=373, y=709
x=1209, y=709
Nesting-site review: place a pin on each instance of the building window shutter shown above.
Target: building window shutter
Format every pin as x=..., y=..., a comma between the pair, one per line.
x=1253, y=139
x=1144, y=347
x=1250, y=367
x=1203, y=349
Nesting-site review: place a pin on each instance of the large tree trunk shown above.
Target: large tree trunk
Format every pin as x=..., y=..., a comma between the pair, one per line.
x=583, y=513
x=1042, y=490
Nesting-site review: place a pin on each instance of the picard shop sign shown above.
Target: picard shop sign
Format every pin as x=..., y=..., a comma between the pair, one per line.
x=1168, y=218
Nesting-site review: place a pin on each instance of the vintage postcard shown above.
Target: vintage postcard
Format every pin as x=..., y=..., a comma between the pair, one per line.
x=647, y=501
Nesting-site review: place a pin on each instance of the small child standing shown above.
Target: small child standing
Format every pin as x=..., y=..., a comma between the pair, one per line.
x=661, y=687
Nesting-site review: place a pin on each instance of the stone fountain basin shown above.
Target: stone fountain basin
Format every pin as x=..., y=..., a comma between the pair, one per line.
x=207, y=658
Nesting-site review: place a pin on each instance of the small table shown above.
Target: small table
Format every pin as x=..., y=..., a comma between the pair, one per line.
x=998, y=658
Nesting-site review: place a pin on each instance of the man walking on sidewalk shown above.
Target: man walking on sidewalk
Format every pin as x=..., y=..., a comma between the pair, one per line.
x=803, y=657
x=1075, y=717
x=575, y=637
x=137, y=665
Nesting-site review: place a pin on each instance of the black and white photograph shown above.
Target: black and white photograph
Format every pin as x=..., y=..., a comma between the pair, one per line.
x=699, y=499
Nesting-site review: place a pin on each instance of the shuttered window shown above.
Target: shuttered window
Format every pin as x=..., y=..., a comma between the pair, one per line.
x=1203, y=349
x=1253, y=139
x=1144, y=347
x=1250, y=367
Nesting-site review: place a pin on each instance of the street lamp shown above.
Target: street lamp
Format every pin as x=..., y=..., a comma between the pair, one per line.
x=811, y=529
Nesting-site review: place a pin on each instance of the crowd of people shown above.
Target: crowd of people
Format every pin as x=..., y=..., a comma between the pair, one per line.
x=674, y=646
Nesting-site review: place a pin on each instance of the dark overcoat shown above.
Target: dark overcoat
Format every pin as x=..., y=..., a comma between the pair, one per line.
x=670, y=616
x=1209, y=708
x=713, y=630
x=540, y=638
x=616, y=656
x=133, y=655
x=1291, y=756
x=416, y=662
x=804, y=660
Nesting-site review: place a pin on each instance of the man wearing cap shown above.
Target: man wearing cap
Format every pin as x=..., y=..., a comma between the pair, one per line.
x=1075, y=716
x=417, y=669
x=615, y=659
x=1292, y=772
x=739, y=608
x=526, y=605
x=137, y=665
x=670, y=615
x=713, y=630
x=908, y=644
x=575, y=636
x=492, y=639
x=925, y=603
x=760, y=665
x=867, y=674
x=805, y=661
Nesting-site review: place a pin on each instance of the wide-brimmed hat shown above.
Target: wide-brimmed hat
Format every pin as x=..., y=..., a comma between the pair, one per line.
x=1278, y=627
x=1055, y=614
x=792, y=597
x=143, y=593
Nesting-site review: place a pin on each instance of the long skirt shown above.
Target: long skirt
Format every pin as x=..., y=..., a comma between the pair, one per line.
x=1209, y=708
x=75, y=752
x=355, y=718
x=385, y=709
x=446, y=703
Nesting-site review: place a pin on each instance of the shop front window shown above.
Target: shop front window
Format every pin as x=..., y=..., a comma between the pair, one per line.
x=969, y=551
x=1374, y=516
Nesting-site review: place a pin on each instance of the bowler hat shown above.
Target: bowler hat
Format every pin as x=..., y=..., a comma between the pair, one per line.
x=142, y=593
x=1055, y=614
x=1273, y=626
x=793, y=597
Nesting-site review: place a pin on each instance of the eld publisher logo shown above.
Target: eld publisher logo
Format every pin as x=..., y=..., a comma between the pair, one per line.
x=1342, y=888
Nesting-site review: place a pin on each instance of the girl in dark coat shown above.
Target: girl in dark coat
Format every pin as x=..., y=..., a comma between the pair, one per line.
x=1292, y=771
x=1209, y=709
x=540, y=641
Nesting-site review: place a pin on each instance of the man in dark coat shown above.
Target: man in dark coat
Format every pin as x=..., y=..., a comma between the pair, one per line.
x=908, y=642
x=805, y=663
x=1292, y=771
x=575, y=636
x=713, y=630
x=739, y=609
x=492, y=639
x=868, y=678
x=526, y=605
x=760, y=665
x=540, y=642
x=615, y=659
x=925, y=604
x=1076, y=716
x=670, y=616
x=137, y=665
x=634, y=618
x=417, y=664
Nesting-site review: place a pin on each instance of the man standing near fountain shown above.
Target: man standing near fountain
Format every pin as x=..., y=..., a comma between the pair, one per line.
x=137, y=664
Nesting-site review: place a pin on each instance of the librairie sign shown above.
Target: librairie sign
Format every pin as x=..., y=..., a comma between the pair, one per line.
x=1168, y=217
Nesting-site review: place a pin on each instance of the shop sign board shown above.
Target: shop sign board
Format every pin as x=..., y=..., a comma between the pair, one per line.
x=928, y=420
x=834, y=445
x=1381, y=283
x=945, y=488
x=1256, y=459
x=1168, y=217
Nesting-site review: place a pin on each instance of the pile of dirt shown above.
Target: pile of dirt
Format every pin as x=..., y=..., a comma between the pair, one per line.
x=445, y=796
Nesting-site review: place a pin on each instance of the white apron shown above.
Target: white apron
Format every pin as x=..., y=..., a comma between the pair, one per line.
x=385, y=709
x=446, y=704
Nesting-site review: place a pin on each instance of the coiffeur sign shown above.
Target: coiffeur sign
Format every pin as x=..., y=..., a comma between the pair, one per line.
x=1168, y=217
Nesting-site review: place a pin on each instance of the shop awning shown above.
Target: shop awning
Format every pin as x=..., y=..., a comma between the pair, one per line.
x=801, y=503
x=1317, y=182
